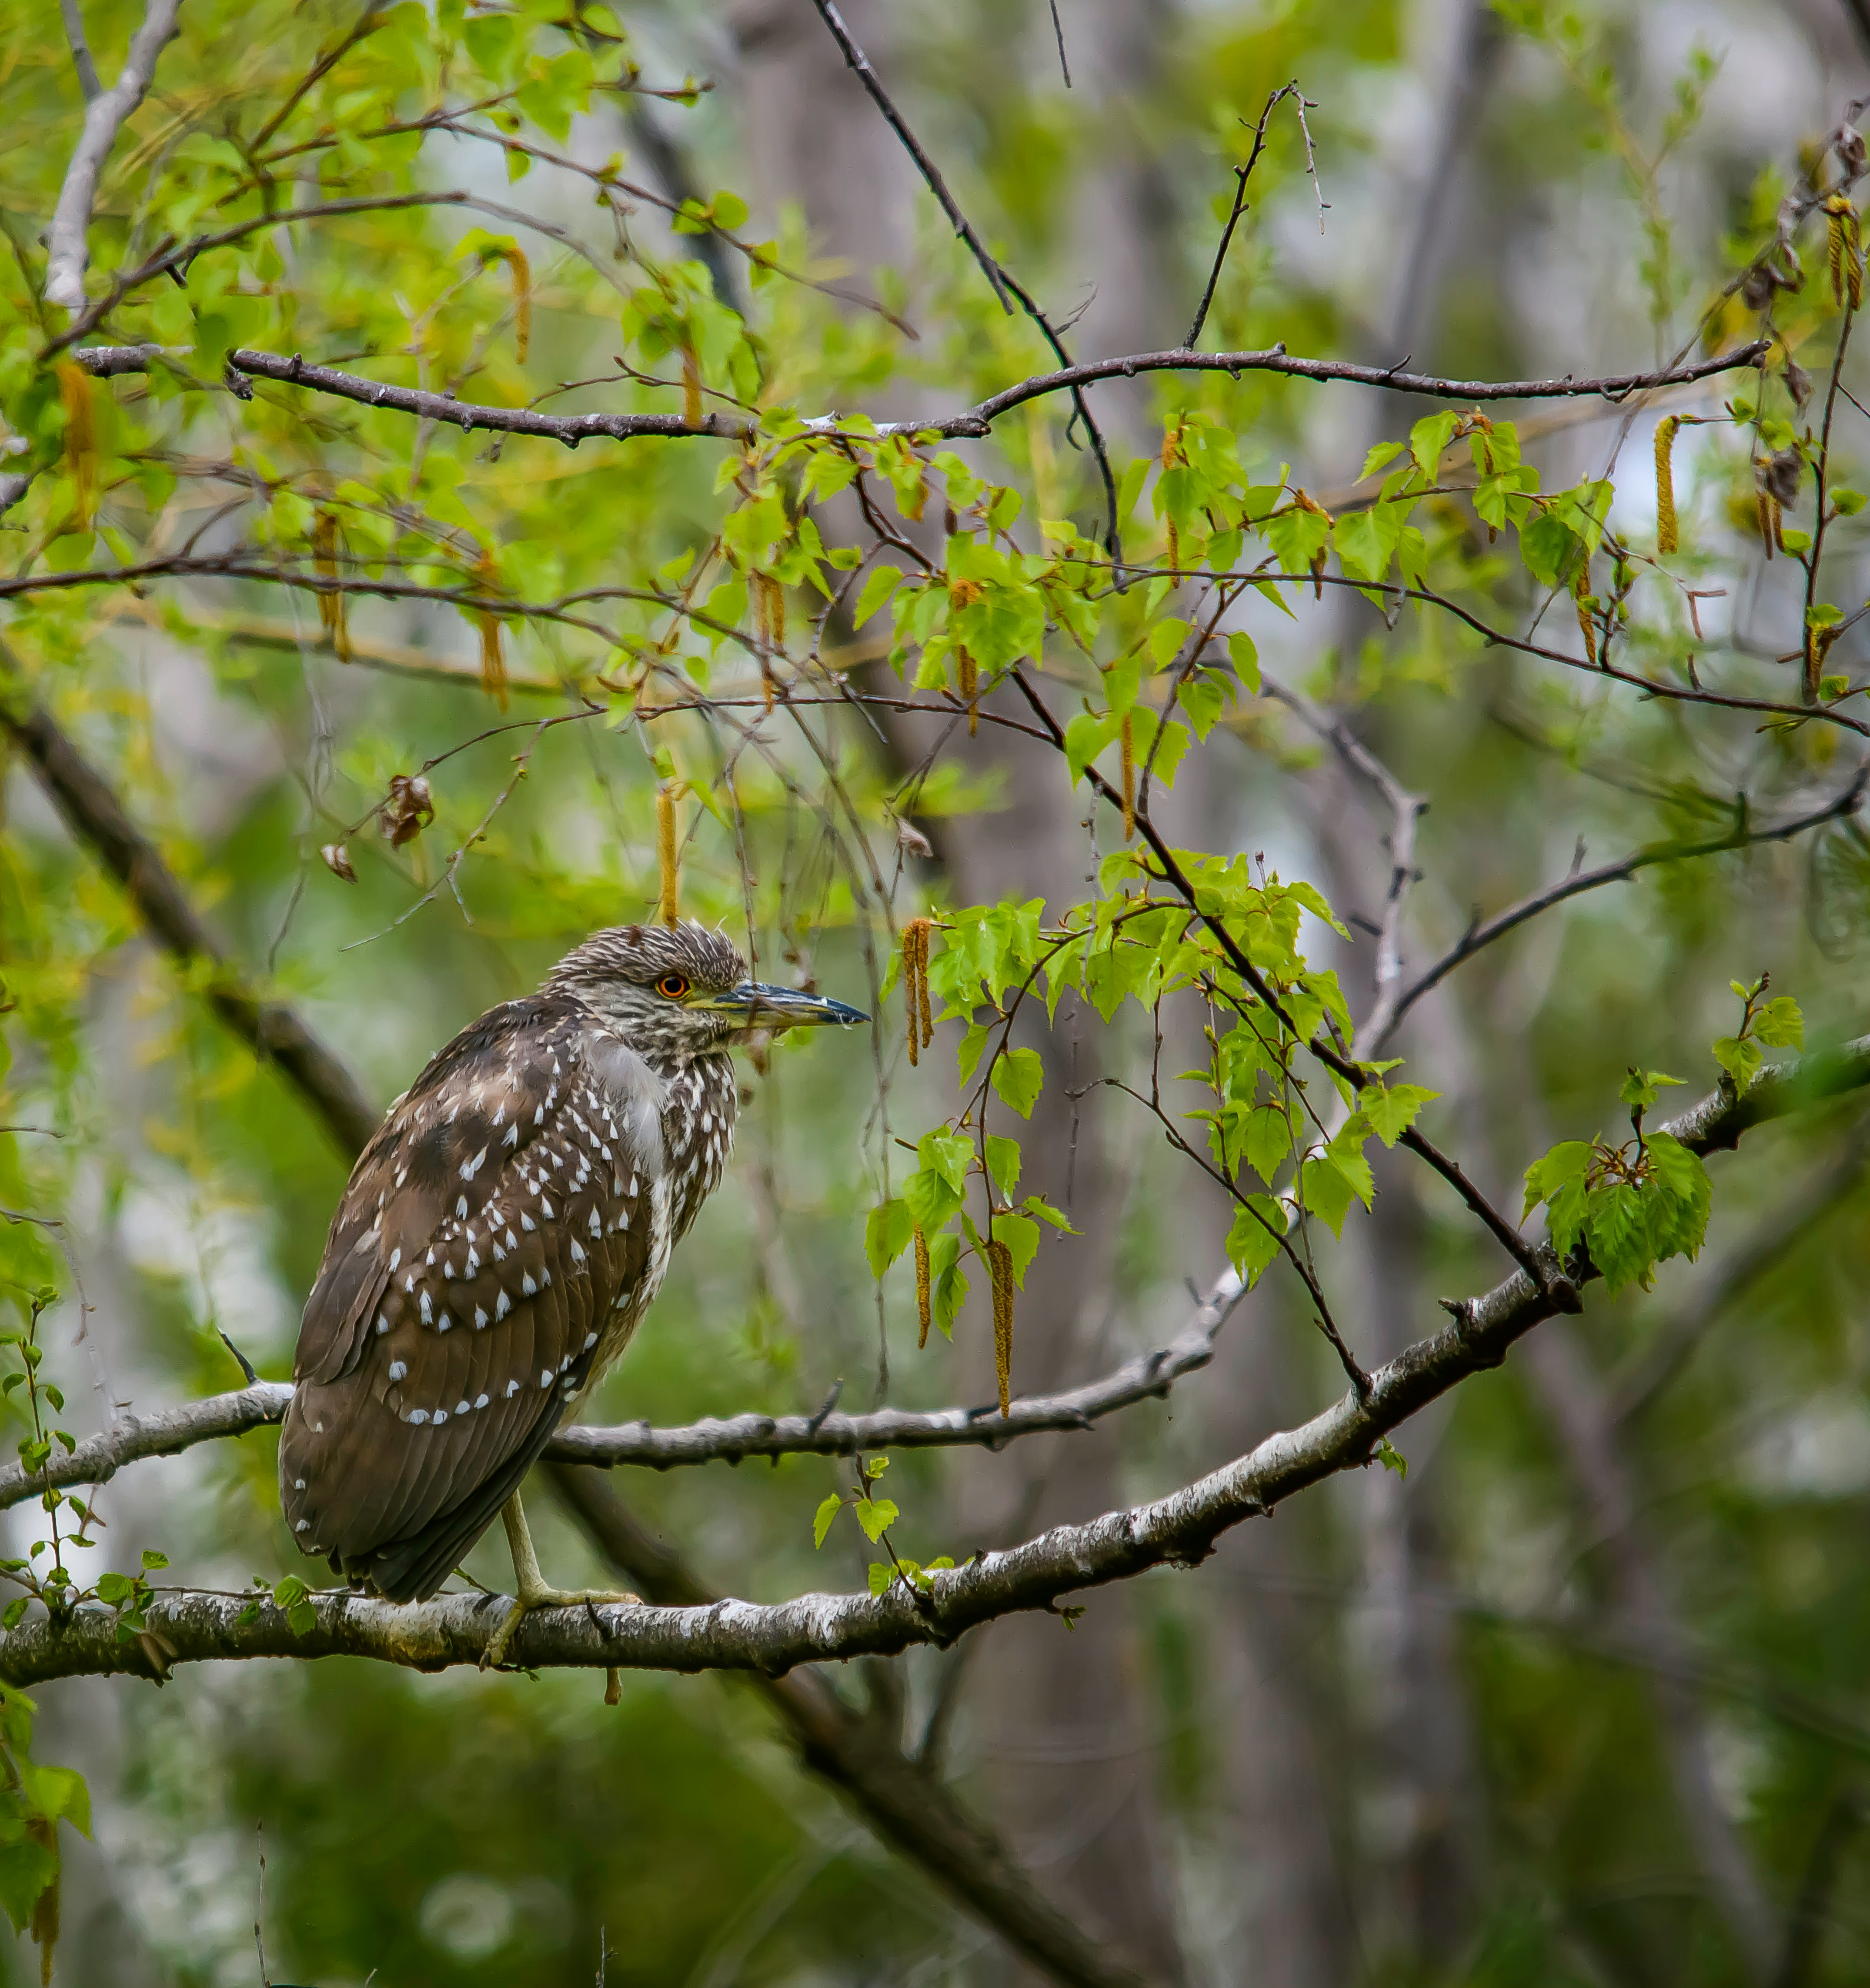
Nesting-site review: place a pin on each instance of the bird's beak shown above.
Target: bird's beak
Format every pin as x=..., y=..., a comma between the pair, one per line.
x=753, y=1004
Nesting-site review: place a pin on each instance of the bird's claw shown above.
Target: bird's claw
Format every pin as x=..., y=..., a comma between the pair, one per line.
x=495, y=1655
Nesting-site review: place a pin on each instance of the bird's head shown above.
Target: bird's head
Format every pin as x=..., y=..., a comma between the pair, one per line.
x=674, y=993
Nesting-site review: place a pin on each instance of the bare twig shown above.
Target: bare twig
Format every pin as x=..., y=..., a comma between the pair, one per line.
x=1740, y=836
x=1242, y=175
x=108, y=360
x=170, y=1431
x=66, y=250
x=88, y=80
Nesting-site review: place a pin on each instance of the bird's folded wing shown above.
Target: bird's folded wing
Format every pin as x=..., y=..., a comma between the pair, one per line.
x=499, y=1217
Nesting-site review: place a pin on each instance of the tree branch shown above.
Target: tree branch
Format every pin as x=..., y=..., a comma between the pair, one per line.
x=67, y=252
x=273, y=1031
x=1482, y=934
x=107, y=361
x=1180, y=1530
x=906, y=1805
x=170, y=1431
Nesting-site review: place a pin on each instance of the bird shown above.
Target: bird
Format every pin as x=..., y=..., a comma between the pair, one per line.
x=498, y=1242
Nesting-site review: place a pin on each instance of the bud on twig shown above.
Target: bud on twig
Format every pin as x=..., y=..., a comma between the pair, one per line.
x=336, y=859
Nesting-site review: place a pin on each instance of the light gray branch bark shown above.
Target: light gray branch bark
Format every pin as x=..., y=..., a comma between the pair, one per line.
x=168, y=1433
x=1180, y=1530
x=107, y=361
x=67, y=250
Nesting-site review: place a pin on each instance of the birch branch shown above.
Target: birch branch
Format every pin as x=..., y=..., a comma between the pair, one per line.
x=68, y=253
x=170, y=1431
x=188, y=1626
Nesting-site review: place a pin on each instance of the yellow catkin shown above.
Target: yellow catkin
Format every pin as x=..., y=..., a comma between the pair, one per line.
x=1766, y=524
x=665, y=852
x=331, y=606
x=493, y=659
x=1127, y=738
x=968, y=674
x=1665, y=533
x=1846, y=251
x=515, y=259
x=81, y=440
x=1174, y=546
x=915, y=987
x=999, y=1269
x=924, y=1307
x=1581, y=589
x=691, y=387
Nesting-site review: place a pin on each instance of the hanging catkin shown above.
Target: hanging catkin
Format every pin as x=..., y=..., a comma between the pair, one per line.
x=81, y=440
x=493, y=661
x=968, y=675
x=691, y=387
x=915, y=987
x=999, y=1269
x=331, y=605
x=1581, y=589
x=1665, y=537
x=923, y=1307
x=1847, y=254
x=1127, y=737
x=665, y=852
x=515, y=259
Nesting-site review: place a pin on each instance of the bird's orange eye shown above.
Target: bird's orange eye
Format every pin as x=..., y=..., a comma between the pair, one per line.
x=674, y=986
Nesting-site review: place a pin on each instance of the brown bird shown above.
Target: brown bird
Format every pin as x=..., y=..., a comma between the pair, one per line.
x=499, y=1241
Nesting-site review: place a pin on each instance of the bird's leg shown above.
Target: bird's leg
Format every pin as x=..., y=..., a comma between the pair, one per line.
x=532, y=1591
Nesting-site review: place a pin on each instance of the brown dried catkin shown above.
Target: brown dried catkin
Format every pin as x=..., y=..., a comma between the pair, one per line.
x=665, y=852
x=324, y=564
x=968, y=674
x=999, y=1269
x=1581, y=588
x=924, y=1308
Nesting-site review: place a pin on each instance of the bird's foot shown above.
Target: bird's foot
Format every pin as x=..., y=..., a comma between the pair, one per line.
x=530, y=1597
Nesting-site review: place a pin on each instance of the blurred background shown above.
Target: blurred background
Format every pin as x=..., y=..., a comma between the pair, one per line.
x=1585, y=1698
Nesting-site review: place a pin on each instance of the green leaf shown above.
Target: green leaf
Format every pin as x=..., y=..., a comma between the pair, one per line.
x=823, y=1517
x=1246, y=660
x=1428, y=437
x=1780, y=1024
x=876, y=1516
x=1739, y=1057
x=1641, y=1087
x=1253, y=1241
x=1003, y=1163
x=1018, y=1077
x=882, y=583
x=1391, y=1458
x=1566, y=1162
x=886, y=1230
x=1381, y=454
x=1392, y=1109
x=882, y=1576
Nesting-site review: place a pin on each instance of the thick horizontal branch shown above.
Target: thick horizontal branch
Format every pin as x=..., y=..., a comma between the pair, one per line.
x=1180, y=1530
x=108, y=361
x=168, y=1433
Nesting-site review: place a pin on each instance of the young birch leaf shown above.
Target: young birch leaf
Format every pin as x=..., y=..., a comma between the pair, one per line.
x=1003, y=1163
x=1392, y=1110
x=1780, y=1024
x=1018, y=1076
x=886, y=1230
x=1253, y=1241
x=821, y=1519
x=876, y=1516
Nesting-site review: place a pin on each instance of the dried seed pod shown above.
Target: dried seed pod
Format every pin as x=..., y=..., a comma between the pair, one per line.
x=999, y=1269
x=968, y=675
x=408, y=809
x=924, y=1308
x=665, y=852
x=1127, y=738
x=1665, y=535
x=336, y=859
x=911, y=840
